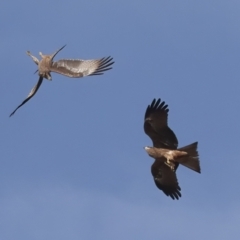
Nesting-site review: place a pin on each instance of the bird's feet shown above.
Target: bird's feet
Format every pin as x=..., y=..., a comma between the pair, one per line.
x=33, y=58
x=170, y=164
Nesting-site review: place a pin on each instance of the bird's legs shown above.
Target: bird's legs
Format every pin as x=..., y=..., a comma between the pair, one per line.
x=170, y=164
x=33, y=58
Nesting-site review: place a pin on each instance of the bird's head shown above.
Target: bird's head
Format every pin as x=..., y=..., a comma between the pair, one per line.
x=150, y=151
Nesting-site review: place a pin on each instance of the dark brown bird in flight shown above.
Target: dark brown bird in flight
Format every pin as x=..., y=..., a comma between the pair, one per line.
x=187, y=156
x=67, y=67
x=167, y=156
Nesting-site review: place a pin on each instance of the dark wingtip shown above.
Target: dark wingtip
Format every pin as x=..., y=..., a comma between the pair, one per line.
x=64, y=46
x=105, y=65
x=11, y=114
x=54, y=54
x=176, y=195
x=156, y=104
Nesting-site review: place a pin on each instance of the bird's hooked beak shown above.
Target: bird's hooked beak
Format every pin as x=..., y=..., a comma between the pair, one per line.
x=149, y=150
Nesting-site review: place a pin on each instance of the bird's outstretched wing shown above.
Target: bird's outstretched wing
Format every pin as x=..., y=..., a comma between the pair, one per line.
x=166, y=179
x=82, y=68
x=30, y=95
x=156, y=125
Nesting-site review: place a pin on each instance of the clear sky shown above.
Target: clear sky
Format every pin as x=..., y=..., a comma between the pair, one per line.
x=72, y=159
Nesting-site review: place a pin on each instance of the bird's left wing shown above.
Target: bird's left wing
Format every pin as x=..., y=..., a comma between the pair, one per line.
x=81, y=68
x=30, y=95
x=166, y=179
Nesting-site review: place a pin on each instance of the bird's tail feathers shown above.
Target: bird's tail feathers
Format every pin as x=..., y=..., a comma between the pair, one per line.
x=192, y=159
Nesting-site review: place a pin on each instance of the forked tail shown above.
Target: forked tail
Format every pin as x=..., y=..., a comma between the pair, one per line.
x=192, y=160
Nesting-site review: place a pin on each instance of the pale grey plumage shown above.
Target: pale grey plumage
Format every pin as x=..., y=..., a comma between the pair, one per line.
x=70, y=68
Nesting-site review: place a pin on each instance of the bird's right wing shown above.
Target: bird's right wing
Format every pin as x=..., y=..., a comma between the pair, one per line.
x=156, y=125
x=30, y=95
x=166, y=179
x=81, y=68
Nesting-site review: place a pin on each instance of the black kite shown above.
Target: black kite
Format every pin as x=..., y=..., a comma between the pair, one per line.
x=167, y=157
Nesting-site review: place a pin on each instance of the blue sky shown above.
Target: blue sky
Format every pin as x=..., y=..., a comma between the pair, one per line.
x=72, y=159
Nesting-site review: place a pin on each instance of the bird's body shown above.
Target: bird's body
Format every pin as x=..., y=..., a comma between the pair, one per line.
x=44, y=67
x=71, y=68
x=187, y=156
x=169, y=157
x=164, y=151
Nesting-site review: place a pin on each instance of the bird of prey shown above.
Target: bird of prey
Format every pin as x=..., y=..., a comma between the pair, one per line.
x=165, y=143
x=187, y=156
x=74, y=68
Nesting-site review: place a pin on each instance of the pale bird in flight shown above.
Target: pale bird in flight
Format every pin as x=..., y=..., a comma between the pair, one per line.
x=74, y=68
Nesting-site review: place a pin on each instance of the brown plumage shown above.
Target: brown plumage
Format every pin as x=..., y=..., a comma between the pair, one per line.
x=70, y=68
x=167, y=156
x=187, y=156
x=165, y=179
x=156, y=125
